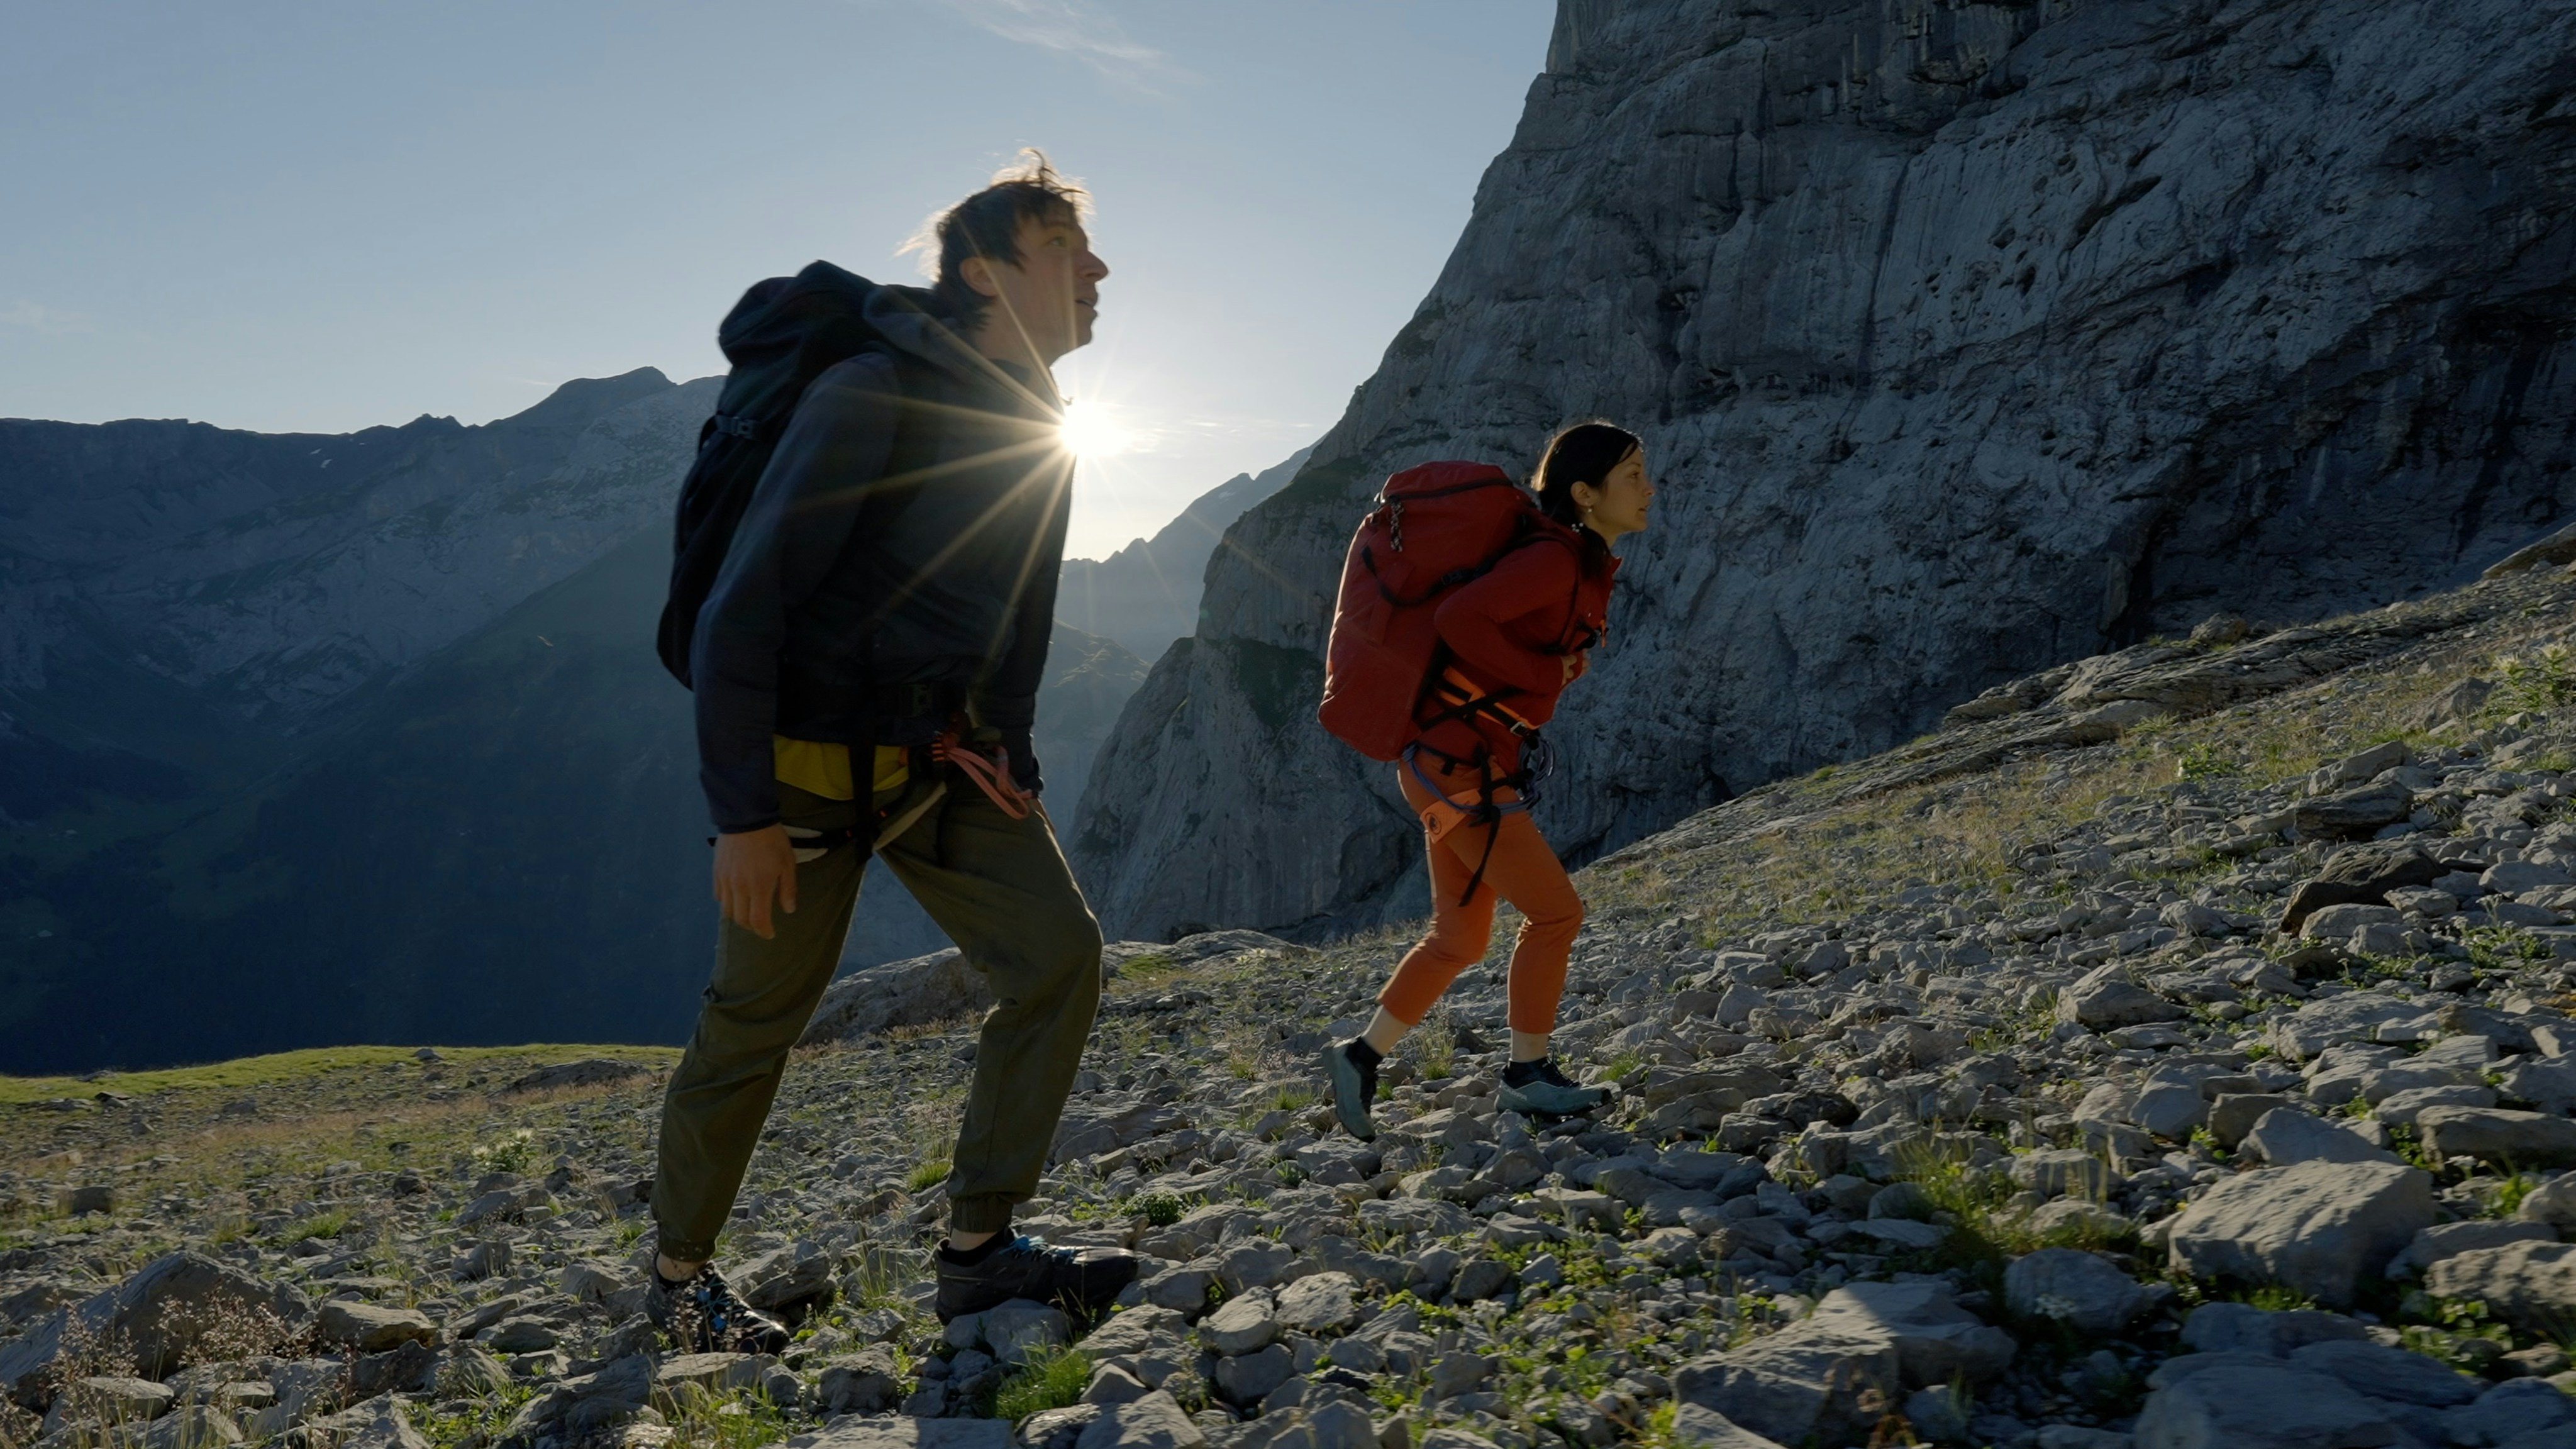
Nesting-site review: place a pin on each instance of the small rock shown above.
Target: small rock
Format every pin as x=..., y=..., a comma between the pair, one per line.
x=2443, y=1240
x=1807, y=1383
x=2388, y=1373
x=2106, y=998
x=2510, y=1410
x=1244, y=1323
x=2082, y=1290
x=2065, y=1171
x=2498, y=1135
x=1249, y=1378
x=2286, y=1137
x=2553, y=1202
x=1696, y=1426
x=1453, y=1374
x=2233, y=1114
x=2400, y=1109
x=370, y=1328
x=2170, y=1110
x=2216, y=1328
x=1320, y=1303
x=861, y=1383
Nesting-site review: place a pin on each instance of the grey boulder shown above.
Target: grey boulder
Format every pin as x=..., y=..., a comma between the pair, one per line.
x=2529, y=1285
x=2316, y=1228
x=2261, y=1406
x=160, y=1313
x=2499, y=1135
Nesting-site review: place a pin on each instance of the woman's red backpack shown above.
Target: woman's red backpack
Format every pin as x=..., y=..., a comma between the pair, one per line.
x=1435, y=527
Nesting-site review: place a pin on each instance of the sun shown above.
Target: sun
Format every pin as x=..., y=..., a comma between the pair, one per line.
x=1089, y=431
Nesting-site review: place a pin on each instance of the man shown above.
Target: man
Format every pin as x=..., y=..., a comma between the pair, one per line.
x=874, y=641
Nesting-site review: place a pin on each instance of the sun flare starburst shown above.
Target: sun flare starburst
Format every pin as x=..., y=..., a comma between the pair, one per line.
x=1091, y=431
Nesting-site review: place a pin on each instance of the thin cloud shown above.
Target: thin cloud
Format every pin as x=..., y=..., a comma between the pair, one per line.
x=1075, y=29
x=34, y=317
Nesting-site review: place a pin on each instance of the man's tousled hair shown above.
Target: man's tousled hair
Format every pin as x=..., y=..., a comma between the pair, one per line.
x=987, y=225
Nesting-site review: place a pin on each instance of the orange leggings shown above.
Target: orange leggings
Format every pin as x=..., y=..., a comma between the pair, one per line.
x=1525, y=872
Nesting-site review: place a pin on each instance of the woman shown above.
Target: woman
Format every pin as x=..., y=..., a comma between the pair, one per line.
x=1514, y=639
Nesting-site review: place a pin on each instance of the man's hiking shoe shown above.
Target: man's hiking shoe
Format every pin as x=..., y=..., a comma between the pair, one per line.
x=1354, y=1084
x=702, y=1314
x=1538, y=1089
x=1081, y=1281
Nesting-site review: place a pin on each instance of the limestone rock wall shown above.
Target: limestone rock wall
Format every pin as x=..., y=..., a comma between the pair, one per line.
x=1967, y=338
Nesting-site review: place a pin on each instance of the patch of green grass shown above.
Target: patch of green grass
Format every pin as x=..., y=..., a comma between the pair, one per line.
x=324, y=1225
x=1435, y=1045
x=1292, y=1098
x=1623, y=1066
x=2509, y=1194
x=2456, y=1331
x=1162, y=1209
x=280, y=1068
x=1983, y=1236
x=926, y=1175
x=1052, y=1378
x=743, y=1420
x=480, y=1422
x=2274, y=1298
x=2202, y=760
x=2504, y=948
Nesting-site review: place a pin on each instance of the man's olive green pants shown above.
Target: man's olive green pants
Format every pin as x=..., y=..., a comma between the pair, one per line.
x=1001, y=890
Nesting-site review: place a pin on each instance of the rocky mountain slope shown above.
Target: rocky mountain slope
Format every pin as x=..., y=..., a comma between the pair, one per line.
x=314, y=739
x=1147, y=594
x=1968, y=340
x=2173, y=1051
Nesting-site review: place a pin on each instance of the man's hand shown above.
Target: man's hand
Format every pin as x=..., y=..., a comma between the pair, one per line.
x=750, y=868
x=1573, y=668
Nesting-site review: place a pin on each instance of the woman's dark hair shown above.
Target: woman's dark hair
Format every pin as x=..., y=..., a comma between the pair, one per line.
x=1581, y=453
x=987, y=224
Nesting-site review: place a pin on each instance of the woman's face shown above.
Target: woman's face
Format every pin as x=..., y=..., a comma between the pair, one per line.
x=1618, y=507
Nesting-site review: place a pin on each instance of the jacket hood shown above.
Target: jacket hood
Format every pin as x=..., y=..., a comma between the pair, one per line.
x=779, y=318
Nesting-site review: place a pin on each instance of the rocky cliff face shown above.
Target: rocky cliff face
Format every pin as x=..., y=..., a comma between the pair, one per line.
x=1967, y=339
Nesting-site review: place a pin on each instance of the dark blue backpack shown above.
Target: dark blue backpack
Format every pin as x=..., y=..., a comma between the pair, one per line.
x=784, y=333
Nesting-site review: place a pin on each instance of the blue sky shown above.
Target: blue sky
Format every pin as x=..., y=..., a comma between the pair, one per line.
x=296, y=217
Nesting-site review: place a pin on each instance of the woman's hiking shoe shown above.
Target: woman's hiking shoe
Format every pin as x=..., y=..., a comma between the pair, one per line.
x=1081, y=1281
x=1351, y=1068
x=702, y=1314
x=1538, y=1089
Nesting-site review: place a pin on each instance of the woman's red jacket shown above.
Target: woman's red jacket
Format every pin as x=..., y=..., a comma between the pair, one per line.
x=1510, y=633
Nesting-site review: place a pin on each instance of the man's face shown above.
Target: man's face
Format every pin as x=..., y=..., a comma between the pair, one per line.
x=1053, y=295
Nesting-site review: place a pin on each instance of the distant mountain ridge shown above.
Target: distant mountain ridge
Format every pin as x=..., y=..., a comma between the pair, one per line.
x=276, y=573
x=1147, y=594
x=310, y=739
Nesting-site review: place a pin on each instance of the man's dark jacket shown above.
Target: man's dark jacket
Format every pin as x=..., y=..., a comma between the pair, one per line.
x=898, y=560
